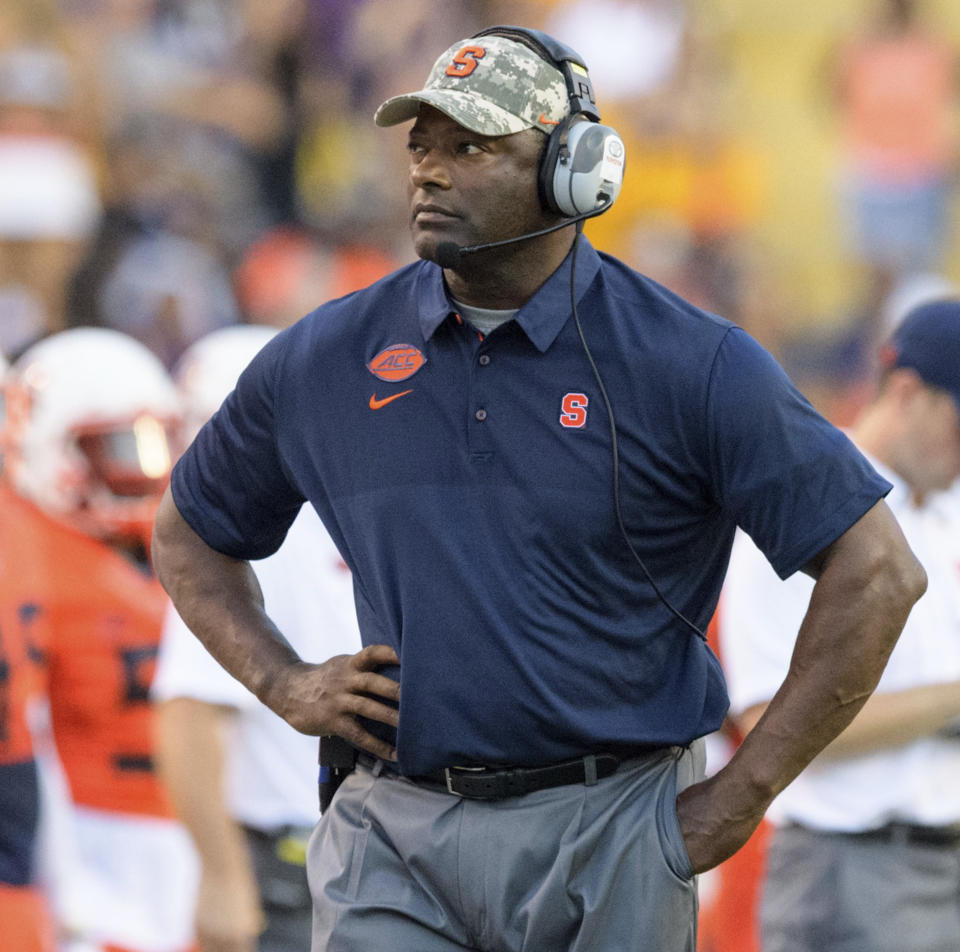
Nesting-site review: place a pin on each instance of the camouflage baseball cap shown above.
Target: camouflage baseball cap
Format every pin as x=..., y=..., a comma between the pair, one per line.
x=489, y=84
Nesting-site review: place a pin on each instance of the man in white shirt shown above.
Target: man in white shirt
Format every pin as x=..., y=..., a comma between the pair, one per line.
x=243, y=781
x=865, y=856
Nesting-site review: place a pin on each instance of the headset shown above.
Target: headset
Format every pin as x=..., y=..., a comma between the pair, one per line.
x=580, y=175
x=582, y=167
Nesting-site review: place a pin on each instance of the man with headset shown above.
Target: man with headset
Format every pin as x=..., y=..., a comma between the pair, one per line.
x=537, y=512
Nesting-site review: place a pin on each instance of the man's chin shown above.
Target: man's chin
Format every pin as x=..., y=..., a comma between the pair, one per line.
x=426, y=247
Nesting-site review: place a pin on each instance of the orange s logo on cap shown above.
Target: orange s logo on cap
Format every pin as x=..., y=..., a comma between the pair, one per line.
x=465, y=61
x=396, y=362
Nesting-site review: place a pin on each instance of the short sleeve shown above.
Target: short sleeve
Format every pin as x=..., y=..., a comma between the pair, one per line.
x=231, y=485
x=792, y=480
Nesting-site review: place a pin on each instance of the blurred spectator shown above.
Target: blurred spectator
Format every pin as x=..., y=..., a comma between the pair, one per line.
x=349, y=174
x=191, y=68
x=278, y=48
x=635, y=48
x=243, y=780
x=154, y=269
x=697, y=185
x=49, y=192
x=896, y=100
x=92, y=422
x=288, y=272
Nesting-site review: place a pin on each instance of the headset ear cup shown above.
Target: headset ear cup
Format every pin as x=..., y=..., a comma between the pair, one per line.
x=583, y=169
x=548, y=165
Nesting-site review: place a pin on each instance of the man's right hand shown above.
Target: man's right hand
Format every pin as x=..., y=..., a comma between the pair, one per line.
x=329, y=698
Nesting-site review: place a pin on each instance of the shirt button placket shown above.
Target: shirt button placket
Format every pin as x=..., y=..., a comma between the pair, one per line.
x=480, y=435
x=484, y=361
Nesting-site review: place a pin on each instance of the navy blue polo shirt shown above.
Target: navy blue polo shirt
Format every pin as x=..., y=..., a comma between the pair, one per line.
x=468, y=483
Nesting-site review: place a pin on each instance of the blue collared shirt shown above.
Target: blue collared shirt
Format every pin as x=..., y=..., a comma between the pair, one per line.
x=468, y=483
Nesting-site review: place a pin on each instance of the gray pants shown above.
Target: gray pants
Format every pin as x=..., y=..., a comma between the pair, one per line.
x=833, y=893
x=399, y=867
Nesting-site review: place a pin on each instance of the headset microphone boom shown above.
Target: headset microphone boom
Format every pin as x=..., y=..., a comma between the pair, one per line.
x=448, y=253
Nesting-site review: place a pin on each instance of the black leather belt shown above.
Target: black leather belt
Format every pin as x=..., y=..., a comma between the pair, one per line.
x=913, y=834
x=498, y=783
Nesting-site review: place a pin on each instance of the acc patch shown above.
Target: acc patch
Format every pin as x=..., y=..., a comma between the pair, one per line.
x=396, y=362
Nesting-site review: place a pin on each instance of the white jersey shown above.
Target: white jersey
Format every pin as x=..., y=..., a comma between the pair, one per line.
x=760, y=616
x=271, y=769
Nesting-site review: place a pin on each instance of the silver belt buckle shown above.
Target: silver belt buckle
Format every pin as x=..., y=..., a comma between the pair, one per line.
x=448, y=776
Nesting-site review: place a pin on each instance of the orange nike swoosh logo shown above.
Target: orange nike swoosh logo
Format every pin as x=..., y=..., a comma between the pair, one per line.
x=543, y=120
x=375, y=404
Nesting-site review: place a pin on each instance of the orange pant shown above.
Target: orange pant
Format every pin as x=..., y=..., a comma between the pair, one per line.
x=730, y=922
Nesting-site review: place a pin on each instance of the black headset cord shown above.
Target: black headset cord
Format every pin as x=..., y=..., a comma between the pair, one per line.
x=614, y=446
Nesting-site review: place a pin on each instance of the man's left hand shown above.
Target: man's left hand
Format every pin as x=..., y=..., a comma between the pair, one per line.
x=713, y=824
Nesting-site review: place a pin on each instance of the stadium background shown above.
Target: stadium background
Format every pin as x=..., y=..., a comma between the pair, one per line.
x=731, y=193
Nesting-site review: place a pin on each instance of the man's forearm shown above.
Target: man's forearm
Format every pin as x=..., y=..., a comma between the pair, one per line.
x=219, y=599
x=857, y=610
x=191, y=753
x=895, y=718
x=192, y=760
x=867, y=583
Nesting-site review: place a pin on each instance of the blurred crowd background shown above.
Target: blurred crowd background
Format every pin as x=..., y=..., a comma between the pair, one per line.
x=168, y=167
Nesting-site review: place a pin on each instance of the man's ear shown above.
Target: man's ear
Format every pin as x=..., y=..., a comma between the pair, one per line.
x=904, y=384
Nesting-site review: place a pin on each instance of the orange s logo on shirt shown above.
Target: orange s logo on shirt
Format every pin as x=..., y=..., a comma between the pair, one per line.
x=574, y=411
x=465, y=62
